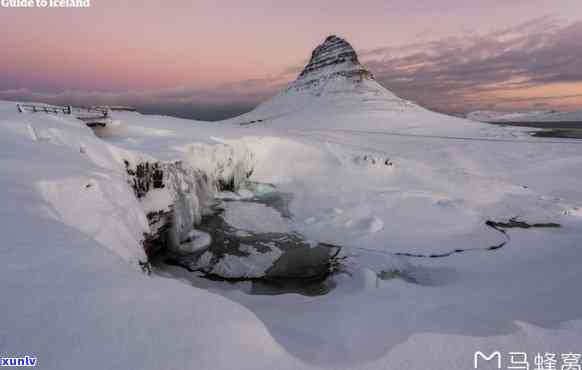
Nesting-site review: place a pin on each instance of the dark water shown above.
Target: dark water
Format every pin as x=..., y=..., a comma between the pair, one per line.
x=551, y=125
x=559, y=133
x=565, y=130
x=303, y=268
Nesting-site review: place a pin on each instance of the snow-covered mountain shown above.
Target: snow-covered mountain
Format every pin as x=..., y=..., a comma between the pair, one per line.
x=335, y=91
x=334, y=69
x=455, y=236
x=532, y=116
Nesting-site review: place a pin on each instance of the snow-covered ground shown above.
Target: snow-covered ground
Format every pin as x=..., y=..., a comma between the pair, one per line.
x=534, y=116
x=389, y=181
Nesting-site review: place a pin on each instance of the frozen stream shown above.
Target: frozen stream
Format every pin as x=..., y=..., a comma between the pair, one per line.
x=304, y=267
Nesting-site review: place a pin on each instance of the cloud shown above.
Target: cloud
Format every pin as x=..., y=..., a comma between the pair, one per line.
x=455, y=74
x=465, y=72
x=209, y=103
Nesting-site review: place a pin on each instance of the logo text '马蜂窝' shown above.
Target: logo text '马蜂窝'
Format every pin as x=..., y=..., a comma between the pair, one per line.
x=522, y=361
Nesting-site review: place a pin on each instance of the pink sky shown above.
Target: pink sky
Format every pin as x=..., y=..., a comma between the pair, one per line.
x=132, y=47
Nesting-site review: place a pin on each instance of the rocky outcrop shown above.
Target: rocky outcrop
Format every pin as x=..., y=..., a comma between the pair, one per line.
x=334, y=57
x=334, y=51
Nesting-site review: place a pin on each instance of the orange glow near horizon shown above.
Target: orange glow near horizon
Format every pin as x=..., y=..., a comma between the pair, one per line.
x=138, y=46
x=560, y=96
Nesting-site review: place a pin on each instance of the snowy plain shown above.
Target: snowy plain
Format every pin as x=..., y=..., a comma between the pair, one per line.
x=534, y=116
x=389, y=181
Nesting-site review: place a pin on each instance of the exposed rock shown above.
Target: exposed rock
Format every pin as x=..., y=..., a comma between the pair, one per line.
x=157, y=239
x=145, y=176
x=515, y=223
x=334, y=56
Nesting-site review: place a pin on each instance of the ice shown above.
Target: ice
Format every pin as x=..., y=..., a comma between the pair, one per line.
x=252, y=265
x=225, y=163
x=196, y=241
x=255, y=217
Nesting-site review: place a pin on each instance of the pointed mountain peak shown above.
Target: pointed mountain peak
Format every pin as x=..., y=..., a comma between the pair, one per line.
x=334, y=56
x=333, y=81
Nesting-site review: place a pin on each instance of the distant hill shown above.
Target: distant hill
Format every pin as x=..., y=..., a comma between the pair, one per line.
x=534, y=116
